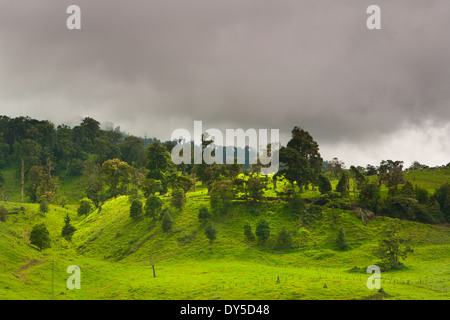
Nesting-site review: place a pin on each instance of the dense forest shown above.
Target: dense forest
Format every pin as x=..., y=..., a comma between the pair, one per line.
x=114, y=163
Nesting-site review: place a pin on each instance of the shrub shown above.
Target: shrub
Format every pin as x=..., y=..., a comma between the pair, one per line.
x=178, y=199
x=211, y=233
x=284, y=239
x=204, y=214
x=369, y=197
x=167, y=222
x=341, y=241
x=422, y=195
x=249, y=235
x=85, y=207
x=297, y=205
x=68, y=230
x=263, y=230
x=43, y=206
x=40, y=237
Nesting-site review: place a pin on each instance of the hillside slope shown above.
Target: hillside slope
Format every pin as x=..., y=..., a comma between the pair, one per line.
x=113, y=252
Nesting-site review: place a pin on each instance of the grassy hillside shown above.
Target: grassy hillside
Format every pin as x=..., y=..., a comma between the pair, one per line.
x=113, y=252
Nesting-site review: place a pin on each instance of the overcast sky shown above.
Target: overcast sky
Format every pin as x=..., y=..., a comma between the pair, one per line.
x=155, y=66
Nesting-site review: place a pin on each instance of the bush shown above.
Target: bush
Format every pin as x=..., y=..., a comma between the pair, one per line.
x=324, y=184
x=369, y=197
x=68, y=230
x=85, y=206
x=284, y=239
x=422, y=195
x=204, y=214
x=341, y=241
x=135, y=208
x=167, y=221
x=249, y=235
x=263, y=230
x=210, y=232
x=178, y=199
x=297, y=205
x=43, y=206
x=40, y=237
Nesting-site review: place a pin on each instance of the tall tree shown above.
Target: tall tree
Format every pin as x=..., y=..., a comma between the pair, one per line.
x=159, y=161
x=117, y=176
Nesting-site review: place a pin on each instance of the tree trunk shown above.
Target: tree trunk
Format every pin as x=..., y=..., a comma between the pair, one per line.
x=195, y=183
x=153, y=266
x=22, y=179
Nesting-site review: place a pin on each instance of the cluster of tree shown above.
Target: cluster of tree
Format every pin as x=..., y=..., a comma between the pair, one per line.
x=408, y=202
x=41, y=152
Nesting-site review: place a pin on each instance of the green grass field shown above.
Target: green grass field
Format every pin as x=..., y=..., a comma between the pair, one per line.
x=113, y=252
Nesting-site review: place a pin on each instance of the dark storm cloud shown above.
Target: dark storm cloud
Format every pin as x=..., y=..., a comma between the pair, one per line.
x=154, y=66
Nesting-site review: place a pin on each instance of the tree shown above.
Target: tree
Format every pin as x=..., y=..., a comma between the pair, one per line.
x=308, y=149
x=263, y=230
x=29, y=153
x=117, y=176
x=249, y=235
x=343, y=185
x=324, y=184
x=421, y=195
x=256, y=186
x=135, y=208
x=416, y=165
x=132, y=150
x=204, y=214
x=40, y=237
x=158, y=162
x=85, y=207
x=442, y=196
x=221, y=195
x=336, y=166
x=68, y=229
x=369, y=197
x=43, y=206
x=341, y=241
x=284, y=239
x=153, y=206
x=300, y=160
x=150, y=186
x=167, y=222
x=293, y=167
x=184, y=183
x=41, y=182
x=358, y=178
x=177, y=199
x=391, y=173
x=392, y=247
x=211, y=233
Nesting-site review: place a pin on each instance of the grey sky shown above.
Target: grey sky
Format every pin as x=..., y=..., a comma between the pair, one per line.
x=154, y=66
